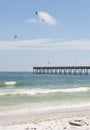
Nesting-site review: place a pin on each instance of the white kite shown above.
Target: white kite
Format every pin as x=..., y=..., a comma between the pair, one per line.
x=45, y=17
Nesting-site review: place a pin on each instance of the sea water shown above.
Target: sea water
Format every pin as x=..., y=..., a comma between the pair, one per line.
x=24, y=92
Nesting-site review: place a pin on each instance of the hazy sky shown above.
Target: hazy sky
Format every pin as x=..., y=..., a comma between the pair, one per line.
x=67, y=42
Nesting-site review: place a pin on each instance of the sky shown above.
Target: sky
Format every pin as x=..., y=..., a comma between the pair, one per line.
x=66, y=41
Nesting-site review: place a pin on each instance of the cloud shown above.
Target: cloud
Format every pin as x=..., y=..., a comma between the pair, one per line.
x=31, y=20
x=45, y=44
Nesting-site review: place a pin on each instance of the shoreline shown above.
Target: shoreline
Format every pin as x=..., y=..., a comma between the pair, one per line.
x=49, y=117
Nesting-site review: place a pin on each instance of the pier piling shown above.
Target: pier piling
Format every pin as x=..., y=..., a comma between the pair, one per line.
x=61, y=70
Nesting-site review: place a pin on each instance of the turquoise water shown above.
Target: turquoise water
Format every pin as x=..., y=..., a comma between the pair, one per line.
x=35, y=92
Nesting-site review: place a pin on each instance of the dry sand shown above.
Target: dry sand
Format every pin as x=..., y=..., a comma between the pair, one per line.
x=67, y=119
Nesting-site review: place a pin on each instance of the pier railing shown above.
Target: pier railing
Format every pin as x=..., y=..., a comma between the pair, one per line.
x=61, y=70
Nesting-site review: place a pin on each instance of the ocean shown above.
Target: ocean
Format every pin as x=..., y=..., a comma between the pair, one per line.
x=25, y=92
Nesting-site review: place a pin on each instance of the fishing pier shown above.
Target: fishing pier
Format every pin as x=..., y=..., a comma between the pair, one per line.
x=69, y=70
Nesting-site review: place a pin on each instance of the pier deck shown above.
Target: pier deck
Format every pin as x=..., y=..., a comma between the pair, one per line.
x=61, y=70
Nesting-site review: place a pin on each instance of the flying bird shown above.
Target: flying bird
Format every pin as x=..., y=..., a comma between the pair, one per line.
x=15, y=36
x=45, y=17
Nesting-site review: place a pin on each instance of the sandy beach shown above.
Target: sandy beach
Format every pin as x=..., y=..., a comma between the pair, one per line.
x=69, y=119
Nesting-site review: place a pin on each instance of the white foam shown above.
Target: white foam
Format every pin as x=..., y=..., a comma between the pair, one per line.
x=10, y=83
x=41, y=91
x=47, y=91
x=80, y=89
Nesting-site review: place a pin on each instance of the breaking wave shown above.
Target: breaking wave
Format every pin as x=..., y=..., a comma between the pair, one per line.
x=43, y=91
x=10, y=83
x=7, y=83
